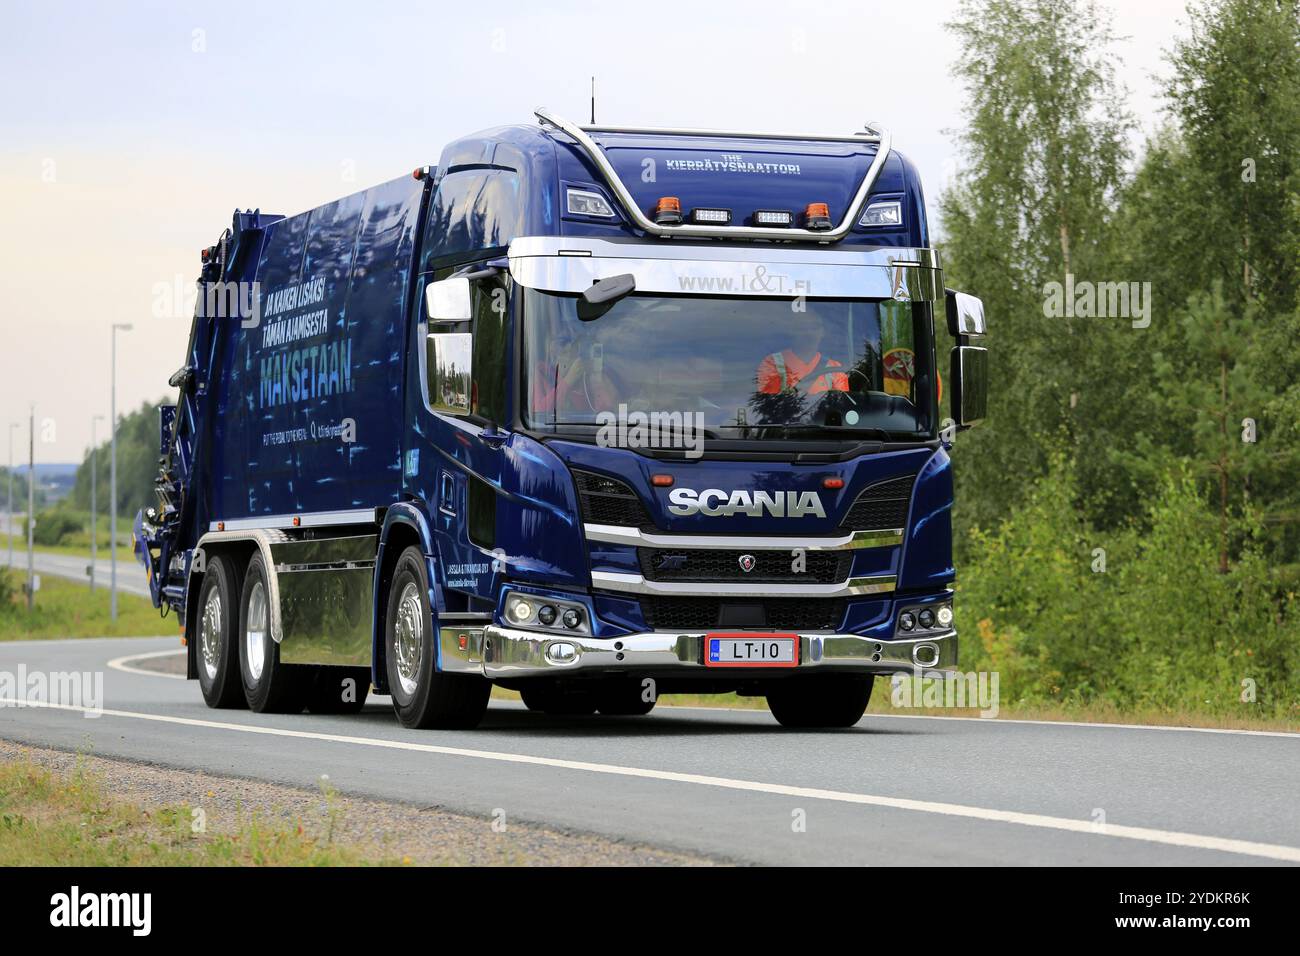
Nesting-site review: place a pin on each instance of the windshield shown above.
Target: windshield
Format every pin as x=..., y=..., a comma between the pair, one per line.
x=751, y=368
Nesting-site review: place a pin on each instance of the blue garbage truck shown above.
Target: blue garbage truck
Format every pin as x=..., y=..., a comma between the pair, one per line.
x=591, y=413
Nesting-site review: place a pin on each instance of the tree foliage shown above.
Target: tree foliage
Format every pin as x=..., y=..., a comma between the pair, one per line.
x=1172, y=447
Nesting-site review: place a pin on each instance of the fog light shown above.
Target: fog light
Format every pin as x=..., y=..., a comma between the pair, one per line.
x=926, y=617
x=944, y=615
x=522, y=611
x=571, y=617
x=907, y=620
x=561, y=652
x=546, y=614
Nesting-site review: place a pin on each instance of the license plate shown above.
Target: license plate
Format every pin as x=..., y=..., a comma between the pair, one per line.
x=751, y=650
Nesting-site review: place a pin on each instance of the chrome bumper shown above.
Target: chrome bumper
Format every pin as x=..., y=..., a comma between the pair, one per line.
x=503, y=652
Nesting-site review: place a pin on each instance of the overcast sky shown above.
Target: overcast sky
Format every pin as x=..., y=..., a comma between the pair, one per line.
x=129, y=132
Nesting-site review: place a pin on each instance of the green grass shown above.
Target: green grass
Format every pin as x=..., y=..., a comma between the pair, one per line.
x=77, y=546
x=65, y=608
x=48, y=819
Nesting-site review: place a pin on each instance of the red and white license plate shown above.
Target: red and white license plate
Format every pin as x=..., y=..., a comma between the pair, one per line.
x=751, y=649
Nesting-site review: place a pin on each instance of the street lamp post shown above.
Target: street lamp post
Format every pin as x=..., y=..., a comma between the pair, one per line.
x=10, y=517
x=94, y=500
x=112, y=475
x=31, y=509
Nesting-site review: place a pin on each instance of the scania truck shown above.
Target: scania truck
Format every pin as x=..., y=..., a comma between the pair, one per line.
x=591, y=413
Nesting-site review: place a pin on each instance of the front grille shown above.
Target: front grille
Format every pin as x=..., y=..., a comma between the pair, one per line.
x=881, y=506
x=609, y=501
x=706, y=613
x=711, y=564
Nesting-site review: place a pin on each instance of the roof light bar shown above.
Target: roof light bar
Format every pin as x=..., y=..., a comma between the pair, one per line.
x=719, y=217
x=668, y=211
x=817, y=215
x=773, y=217
x=641, y=221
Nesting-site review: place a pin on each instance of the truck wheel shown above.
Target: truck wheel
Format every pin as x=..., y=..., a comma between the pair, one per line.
x=832, y=700
x=422, y=696
x=623, y=698
x=559, y=703
x=269, y=686
x=217, y=651
x=330, y=692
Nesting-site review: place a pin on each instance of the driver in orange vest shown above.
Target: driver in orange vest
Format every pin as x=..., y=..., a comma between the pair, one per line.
x=786, y=369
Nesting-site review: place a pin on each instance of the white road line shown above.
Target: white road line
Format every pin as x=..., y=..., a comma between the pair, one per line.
x=998, y=721
x=1084, y=723
x=1005, y=721
x=1266, y=851
x=124, y=663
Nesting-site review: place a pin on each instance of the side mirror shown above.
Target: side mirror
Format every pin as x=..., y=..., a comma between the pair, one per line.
x=448, y=300
x=970, y=384
x=965, y=313
x=448, y=361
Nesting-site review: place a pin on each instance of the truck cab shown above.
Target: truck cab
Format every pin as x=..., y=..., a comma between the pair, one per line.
x=645, y=411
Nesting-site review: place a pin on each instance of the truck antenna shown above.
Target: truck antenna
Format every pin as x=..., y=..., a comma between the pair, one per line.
x=593, y=101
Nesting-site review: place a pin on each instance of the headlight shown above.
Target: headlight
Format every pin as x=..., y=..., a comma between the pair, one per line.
x=926, y=617
x=583, y=202
x=907, y=620
x=538, y=613
x=943, y=615
x=882, y=214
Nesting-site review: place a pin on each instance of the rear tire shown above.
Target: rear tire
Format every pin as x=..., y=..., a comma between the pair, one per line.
x=270, y=687
x=831, y=700
x=338, y=690
x=422, y=696
x=217, y=648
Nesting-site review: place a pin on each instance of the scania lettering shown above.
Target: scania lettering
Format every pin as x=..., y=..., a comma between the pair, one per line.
x=398, y=466
x=778, y=504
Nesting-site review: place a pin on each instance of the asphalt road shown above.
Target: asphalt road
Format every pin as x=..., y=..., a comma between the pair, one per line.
x=130, y=574
x=730, y=784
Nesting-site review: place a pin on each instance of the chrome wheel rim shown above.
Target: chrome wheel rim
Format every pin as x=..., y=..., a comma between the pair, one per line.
x=255, y=632
x=408, y=638
x=210, y=634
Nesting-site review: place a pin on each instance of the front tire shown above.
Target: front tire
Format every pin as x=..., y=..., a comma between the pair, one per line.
x=557, y=701
x=270, y=687
x=422, y=696
x=624, y=698
x=217, y=650
x=821, y=701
